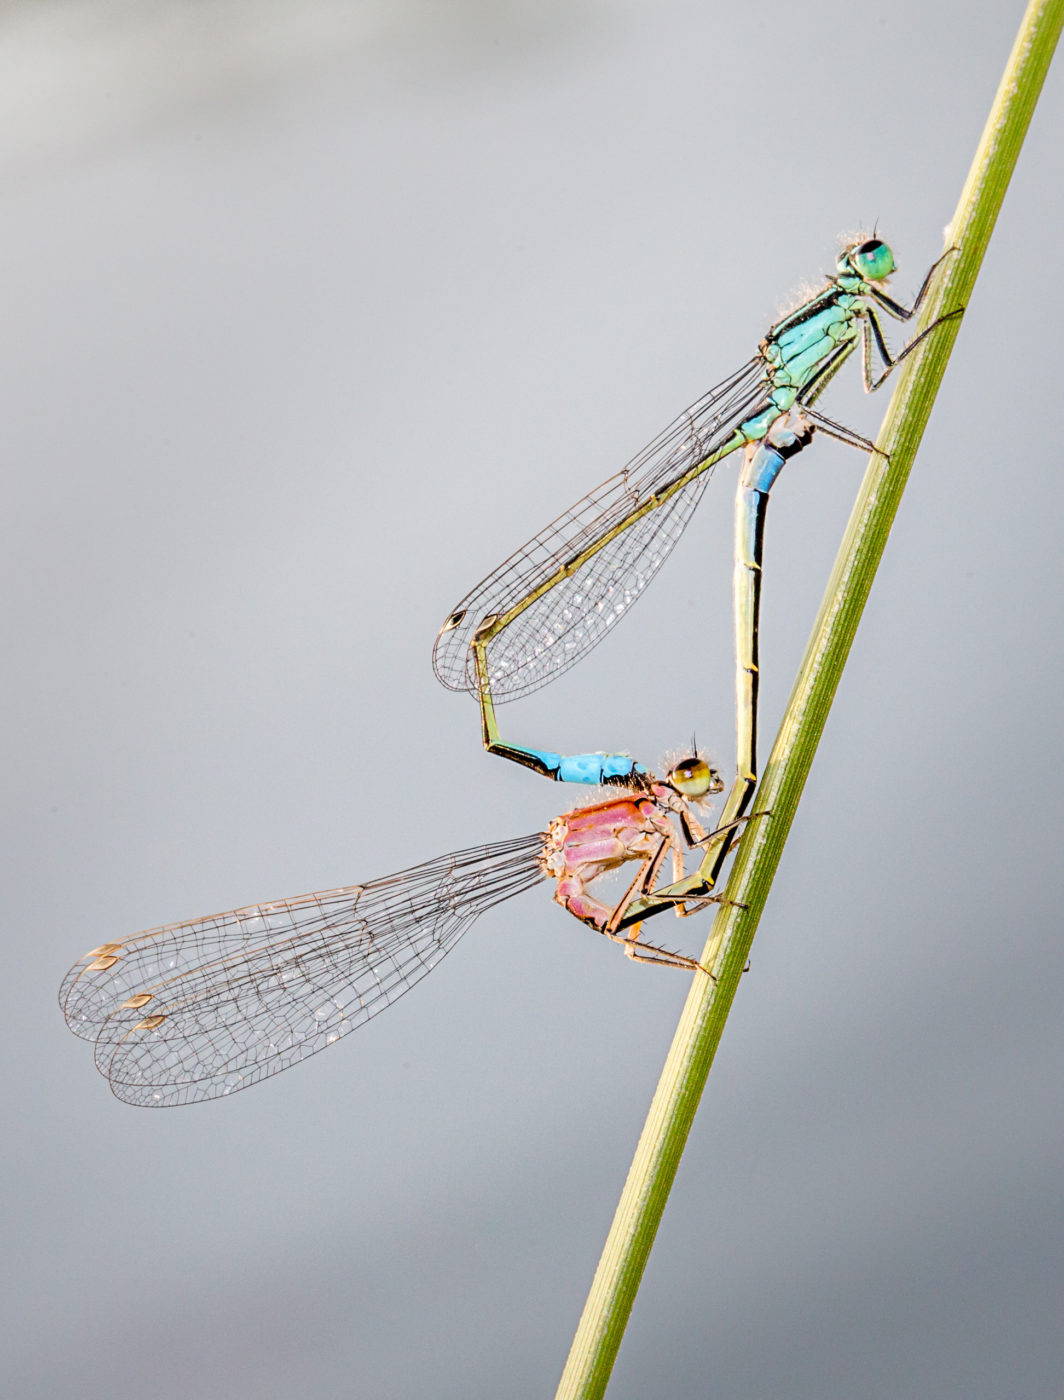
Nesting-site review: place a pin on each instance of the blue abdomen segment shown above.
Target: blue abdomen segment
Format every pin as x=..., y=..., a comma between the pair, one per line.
x=784, y=438
x=597, y=768
x=594, y=769
x=761, y=471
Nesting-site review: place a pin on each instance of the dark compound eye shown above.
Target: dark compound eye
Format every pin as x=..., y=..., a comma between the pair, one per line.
x=873, y=260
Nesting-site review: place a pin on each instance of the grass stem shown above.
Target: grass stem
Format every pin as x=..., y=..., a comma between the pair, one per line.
x=697, y=1036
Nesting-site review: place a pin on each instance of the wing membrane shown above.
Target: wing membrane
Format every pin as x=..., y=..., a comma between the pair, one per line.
x=196, y=1010
x=575, y=612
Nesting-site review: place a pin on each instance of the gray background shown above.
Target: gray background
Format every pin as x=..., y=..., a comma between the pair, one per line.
x=312, y=313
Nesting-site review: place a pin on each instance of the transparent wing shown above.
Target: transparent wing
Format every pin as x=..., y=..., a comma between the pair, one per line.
x=577, y=609
x=200, y=1009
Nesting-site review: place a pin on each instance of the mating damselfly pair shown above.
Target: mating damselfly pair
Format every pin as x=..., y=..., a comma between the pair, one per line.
x=199, y=1009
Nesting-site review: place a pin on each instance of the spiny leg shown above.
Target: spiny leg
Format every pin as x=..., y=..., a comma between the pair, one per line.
x=694, y=834
x=642, y=884
x=693, y=890
x=871, y=331
x=651, y=953
x=630, y=941
x=838, y=431
x=683, y=895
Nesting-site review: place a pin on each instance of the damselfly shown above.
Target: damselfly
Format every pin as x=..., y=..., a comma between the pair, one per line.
x=547, y=605
x=201, y=1009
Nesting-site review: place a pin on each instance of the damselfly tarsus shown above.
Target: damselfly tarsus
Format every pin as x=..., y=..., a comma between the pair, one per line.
x=547, y=605
x=196, y=1010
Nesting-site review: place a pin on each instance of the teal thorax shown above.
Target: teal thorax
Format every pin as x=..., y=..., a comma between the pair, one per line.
x=804, y=349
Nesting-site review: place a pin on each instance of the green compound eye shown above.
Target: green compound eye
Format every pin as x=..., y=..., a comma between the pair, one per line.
x=873, y=260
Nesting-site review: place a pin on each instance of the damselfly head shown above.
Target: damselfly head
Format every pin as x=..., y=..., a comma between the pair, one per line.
x=693, y=778
x=871, y=259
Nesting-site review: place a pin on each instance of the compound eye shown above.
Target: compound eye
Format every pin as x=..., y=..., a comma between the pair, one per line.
x=873, y=260
x=693, y=777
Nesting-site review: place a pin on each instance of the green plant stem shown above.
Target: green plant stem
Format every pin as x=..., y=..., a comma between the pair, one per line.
x=694, y=1045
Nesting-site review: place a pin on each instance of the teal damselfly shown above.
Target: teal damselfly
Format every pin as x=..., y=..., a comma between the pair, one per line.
x=547, y=605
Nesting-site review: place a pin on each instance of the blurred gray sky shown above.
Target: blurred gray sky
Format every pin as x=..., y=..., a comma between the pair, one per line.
x=312, y=313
